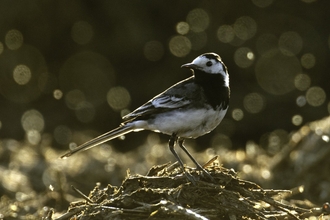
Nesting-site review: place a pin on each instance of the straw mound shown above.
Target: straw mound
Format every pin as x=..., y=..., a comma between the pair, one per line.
x=166, y=193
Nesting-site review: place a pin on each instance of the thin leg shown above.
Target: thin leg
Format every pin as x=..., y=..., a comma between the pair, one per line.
x=171, y=145
x=180, y=141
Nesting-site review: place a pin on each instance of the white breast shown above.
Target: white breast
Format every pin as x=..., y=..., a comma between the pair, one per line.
x=187, y=124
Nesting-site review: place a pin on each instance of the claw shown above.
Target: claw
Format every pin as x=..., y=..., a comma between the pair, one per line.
x=171, y=144
x=190, y=177
x=208, y=175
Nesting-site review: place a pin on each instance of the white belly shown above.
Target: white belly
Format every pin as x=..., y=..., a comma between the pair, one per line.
x=186, y=124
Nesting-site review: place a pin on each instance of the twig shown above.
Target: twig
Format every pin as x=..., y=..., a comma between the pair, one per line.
x=208, y=163
x=68, y=215
x=82, y=194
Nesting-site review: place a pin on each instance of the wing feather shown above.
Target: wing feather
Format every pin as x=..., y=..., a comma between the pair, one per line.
x=175, y=97
x=160, y=103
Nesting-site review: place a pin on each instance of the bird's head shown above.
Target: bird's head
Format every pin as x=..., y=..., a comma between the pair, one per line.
x=210, y=63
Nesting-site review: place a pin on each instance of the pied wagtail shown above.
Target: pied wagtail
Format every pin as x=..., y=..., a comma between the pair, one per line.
x=188, y=109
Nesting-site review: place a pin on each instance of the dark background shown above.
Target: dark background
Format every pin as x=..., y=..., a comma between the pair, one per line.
x=70, y=69
x=93, y=46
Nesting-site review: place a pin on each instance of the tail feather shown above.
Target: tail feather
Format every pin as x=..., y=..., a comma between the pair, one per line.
x=117, y=132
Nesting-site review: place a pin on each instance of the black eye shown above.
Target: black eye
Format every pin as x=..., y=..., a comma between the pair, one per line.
x=209, y=63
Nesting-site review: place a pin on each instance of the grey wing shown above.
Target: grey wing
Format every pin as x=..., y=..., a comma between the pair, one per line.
x=160, y=103
x=181, y=94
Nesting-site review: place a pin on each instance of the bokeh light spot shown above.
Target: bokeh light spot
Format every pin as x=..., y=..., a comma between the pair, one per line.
x=182, y=28
x=198, y=20
x=62, y=134
x=276, y=140
x=15, y=181
x=22, y=74
x=276, y=72
x=302, y=82
x=82, y=32
x=301, y=101
x=266, y=174
x=237, y=114
x=153, y=50
x=325, y=138
x=297, y=120
x=180, y=46
x=262, y=3
x=118, y=98
x=32, y=120
x=290, y=43
x=226, y=33
x=296, y=137
x=315, y=96
x=20, y=83
x=243, y=57
x=58, y=94
x=254, y=103
x=33, y=137
x=308, y=60
x=247, y=168
x=250, y=55
x=14, y=39
x=245, y=27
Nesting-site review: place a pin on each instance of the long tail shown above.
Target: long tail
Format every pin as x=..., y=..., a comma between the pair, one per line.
x=117, y=132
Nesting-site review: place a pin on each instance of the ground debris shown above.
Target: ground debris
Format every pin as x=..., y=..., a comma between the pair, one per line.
x=168, y=194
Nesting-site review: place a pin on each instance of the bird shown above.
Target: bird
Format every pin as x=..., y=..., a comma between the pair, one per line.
x=189, y=109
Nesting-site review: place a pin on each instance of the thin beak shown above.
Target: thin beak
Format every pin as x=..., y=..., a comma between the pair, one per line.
x=189, y=65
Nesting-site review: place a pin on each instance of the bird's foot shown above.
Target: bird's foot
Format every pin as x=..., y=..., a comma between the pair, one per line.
x=194, y=179
x=205, y=173
x=190, y=177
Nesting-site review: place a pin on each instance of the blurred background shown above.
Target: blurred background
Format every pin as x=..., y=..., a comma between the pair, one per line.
x=70, y=69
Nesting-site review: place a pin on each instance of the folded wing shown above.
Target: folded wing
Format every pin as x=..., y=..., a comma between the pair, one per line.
x=161, y=103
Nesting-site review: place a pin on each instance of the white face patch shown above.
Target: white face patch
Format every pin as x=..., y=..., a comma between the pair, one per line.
x=211, y=66
x=226, y=77
x=204, y=64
